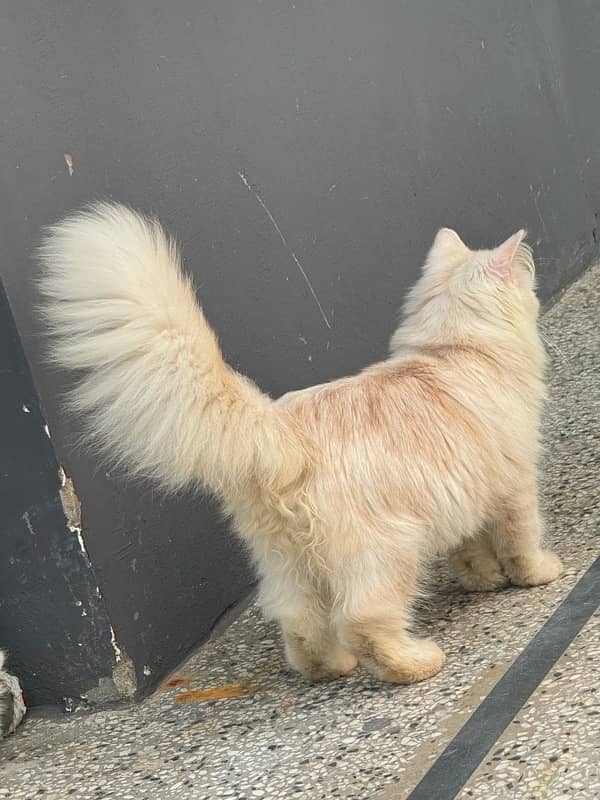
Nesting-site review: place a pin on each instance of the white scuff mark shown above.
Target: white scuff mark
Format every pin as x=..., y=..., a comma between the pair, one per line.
x=62, y=477
x=311, y=289
x=302, y=339
x=78, y=603
x=136, y=616
x=27, y=521
x=25, y=409
x=69, y=162
x=310, y=358
x=332, y=187
x=146, y=670
x=115, y=646
x=47, y=431
x=273, y=222
x=133, y=564
x=297, y=105
x=83, y=612
x=265, y=209
x=482, y=45
x=82, y=547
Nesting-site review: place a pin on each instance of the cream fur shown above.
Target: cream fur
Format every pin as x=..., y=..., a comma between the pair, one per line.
x=343, y=491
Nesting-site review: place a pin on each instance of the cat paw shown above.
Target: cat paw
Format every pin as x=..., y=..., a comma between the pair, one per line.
x=483, y=582
x=335, y=665
x=536, y=570
x=420, y=661
x=482, y=574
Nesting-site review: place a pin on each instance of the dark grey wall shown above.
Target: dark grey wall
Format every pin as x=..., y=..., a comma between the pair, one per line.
x=52, y=619
x=326, y=136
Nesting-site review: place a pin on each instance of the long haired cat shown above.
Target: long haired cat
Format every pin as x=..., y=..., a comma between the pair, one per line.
x=342, y=491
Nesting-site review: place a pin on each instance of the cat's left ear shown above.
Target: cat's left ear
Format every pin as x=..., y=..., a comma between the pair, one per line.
x=500, y=264
x=448, y=242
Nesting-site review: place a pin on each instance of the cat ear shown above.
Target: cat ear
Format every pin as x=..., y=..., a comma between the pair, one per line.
x=501, y=260
x=448, y=243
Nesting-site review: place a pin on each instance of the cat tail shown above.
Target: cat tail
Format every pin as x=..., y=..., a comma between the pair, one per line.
x=154, y=391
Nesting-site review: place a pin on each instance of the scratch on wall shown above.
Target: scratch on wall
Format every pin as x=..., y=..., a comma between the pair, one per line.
x=294, y=257
x=27, y=521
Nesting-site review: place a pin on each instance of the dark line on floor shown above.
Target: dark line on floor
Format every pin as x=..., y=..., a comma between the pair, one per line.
x=481, y=731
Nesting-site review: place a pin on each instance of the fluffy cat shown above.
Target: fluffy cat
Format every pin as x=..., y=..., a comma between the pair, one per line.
x=343, y=491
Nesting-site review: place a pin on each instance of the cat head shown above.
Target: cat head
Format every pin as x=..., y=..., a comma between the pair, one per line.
x=464, y=295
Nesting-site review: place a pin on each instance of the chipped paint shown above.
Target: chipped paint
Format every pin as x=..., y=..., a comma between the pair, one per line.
x=72, y=508
x=69, y=162
x=26, y=409
x=115, y=646
x=123, y=674
x=146, y=670
x=47, y=431
x=70, y=502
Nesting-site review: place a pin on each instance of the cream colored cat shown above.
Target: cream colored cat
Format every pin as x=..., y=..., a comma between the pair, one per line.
x=343, y=491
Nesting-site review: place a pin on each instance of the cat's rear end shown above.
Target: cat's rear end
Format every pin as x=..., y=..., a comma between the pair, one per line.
x=343, y=491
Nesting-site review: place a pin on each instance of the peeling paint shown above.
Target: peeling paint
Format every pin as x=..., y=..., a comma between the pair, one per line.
x=124, y=676
x=72, y=508
x=115, y=646
x=69, y=162
x=70, y=502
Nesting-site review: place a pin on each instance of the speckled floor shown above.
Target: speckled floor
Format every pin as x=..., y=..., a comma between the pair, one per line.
x=276, y=737
x=552, y=747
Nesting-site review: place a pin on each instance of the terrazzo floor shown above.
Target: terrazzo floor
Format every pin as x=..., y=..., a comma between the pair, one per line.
x=233, y=723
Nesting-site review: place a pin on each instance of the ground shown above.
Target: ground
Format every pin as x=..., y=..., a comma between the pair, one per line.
x=234, y=723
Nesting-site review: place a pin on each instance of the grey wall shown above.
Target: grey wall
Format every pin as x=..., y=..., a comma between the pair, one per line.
x=52, y=618
x=326, y=136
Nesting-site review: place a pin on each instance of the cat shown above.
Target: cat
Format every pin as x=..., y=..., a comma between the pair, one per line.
x=12, y=707
x=345, y=491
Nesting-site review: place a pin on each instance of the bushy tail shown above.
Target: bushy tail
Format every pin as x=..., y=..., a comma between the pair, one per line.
x=156, y=395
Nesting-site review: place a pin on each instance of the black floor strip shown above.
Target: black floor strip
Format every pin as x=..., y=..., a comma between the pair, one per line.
x=466, y=751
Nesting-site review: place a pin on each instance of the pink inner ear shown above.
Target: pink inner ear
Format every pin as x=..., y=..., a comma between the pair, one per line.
x=502, y=258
